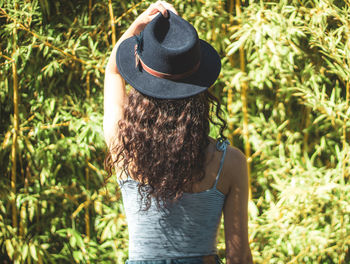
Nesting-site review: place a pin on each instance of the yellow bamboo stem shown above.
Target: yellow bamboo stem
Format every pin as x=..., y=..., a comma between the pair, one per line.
x=112, y=22
x=244, y=99
x=47, y=126
x=80, y=207
x=28, y=120
x=90, y=8
x=245, y=131
x=4, y=63
x=229, y=110
x=231, y=5
x=15, y=134
x=88, y=74
x=229, y=92
x=40, y=260
x=87, y=216
x=94, y=168
x=87, y=174
x=345, y=160
x=6, y=57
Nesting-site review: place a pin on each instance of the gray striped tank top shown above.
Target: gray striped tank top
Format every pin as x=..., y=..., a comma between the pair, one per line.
x=187, y=228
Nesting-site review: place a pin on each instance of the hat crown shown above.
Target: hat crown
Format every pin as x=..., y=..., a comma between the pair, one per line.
x=170, y=45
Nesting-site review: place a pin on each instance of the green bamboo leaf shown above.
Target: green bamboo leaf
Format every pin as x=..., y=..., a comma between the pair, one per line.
x=33, y=251
x=24, y=252
x=79, y=239
x=319, y=118
x=31, y=209
x=72, y=241
x=9, y=248
x=232, y=48
x=78, y=256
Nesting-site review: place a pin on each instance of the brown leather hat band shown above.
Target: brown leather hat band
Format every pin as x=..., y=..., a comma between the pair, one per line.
x=163, y=75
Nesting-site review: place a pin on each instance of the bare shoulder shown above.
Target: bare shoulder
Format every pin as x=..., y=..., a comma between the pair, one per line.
x=235, y=167
x=235, y=156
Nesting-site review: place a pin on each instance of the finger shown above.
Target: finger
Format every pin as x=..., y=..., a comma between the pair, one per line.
x=162, y=9
x=153, y=16
x=169, y=7
x=172, y=9
x=156, y=9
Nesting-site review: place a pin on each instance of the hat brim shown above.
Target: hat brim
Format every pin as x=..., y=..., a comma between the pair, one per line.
x=142, y=81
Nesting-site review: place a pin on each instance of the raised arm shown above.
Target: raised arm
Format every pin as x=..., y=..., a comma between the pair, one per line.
x=236, y=211
x=114, y=84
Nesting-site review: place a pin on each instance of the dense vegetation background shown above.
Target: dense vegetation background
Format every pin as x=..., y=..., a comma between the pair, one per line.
x=285, y=89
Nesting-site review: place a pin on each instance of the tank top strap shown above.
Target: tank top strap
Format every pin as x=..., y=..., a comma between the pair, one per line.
x=221, y=145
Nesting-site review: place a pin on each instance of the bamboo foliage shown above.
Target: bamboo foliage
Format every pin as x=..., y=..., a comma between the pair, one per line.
x=297, y=68
x=285, y=86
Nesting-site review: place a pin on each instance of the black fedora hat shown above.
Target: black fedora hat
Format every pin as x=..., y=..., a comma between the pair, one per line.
x=168, y=60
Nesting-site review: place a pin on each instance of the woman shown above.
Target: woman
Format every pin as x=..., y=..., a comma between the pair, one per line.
x=175, y=180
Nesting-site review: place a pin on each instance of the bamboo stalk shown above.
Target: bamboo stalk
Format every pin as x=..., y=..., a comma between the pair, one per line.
x=28, y=120
x=4, y=63
x=229, y=92
x=40, y=260
x=345, y=160
x=231, y=5
x=80, y=207
x=87, y=174
x=87, y=216
x=6, y=57
x=64, y=124
x=114, y=41
x=90, y=8
x=244, y=99
x=246, y=133
x=229, y=110
x=94, y=168
x=16, y=128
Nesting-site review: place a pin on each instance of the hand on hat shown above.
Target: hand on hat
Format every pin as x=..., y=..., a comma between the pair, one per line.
x=150, y=13
x=137, y=26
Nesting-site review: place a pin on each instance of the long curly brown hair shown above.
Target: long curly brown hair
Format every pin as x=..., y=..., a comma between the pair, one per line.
x=161, y=143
